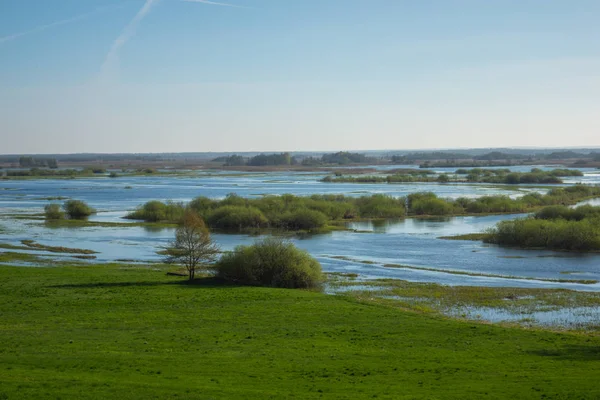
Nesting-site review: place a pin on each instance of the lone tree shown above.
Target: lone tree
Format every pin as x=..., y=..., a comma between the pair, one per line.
x=192, y=246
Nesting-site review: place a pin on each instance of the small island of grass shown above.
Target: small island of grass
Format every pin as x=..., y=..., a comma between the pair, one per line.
x=323, y=212
x=475, y=175
x=553, y=228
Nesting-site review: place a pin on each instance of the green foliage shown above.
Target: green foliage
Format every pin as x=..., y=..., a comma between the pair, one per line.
x=554, y=227
x=77, y=209
x=536, y=176
x=97, y=170
x=235, y=160
x=381, y=206
x=39, y=172
x=344, y=157
x=157, y=211
x=567, y=213
x=428, y=156
x=26, y=162
x=443, y=178
x=53, y=212
x=271, y=159
x=559, y=234
x=431, y=206
x=303, y=219
x=291, y=212
x=235, y=217
x=497, y=155
x=270, y=262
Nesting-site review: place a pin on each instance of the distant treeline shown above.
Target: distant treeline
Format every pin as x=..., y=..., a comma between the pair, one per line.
x=32, y=162
x=88, y=171
x=258, y=160
x=39, y=172
x=453, y=158
x=340, y=158
x=461, y=158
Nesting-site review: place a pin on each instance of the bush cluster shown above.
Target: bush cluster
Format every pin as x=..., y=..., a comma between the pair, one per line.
x=270, y=262
x=535, y=176
x=156, y=211
x=485, y=175
x=73, y=209
x=291, y=212
x=287, y=212
x=560, y=234
x=553, y=227
x=53, y=212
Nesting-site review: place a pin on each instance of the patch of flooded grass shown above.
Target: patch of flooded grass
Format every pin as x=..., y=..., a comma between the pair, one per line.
x=85, y=257
x=457, y=272
x=55, y=249
x=469, y=236
x=550, y=308
x=465, y=273
x=33, y=246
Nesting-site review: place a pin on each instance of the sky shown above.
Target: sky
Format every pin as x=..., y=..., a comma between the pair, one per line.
x=292, y=75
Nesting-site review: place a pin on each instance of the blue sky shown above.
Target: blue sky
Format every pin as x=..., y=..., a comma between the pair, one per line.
x=270, y=75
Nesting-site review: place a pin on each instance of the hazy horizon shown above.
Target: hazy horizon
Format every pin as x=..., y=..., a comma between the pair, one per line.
x=171, y=76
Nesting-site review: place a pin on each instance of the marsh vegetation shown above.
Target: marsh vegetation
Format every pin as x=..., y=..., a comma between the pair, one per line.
x=72, y=209
x=480, y=175
x=556, y=228
x=311, y=213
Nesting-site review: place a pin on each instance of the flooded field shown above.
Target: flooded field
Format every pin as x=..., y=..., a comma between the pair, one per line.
x=407, y=249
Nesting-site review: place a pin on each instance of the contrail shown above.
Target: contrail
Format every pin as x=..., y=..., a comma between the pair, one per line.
x=58, y=23
x=214, y=3
x=112, y=58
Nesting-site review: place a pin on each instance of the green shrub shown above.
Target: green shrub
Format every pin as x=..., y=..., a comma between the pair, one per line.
x=567, y=213
x=270, y=262
x=381, y=206
x=157, y=211
x=202, y=205
x=77, y=209
x=303, y=219
x=432, y=206
x=53, y=212
x=557, y=234
x=443, y=178
x=236, y=217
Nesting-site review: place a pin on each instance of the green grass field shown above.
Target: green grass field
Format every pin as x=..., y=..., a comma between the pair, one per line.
x=122, y=332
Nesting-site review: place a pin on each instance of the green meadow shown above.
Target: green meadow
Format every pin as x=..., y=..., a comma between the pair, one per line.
x=129, y=332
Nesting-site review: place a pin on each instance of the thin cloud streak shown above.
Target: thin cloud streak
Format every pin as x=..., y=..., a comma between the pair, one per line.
x=58, y=23
x=112, y=58
x=214, y=3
